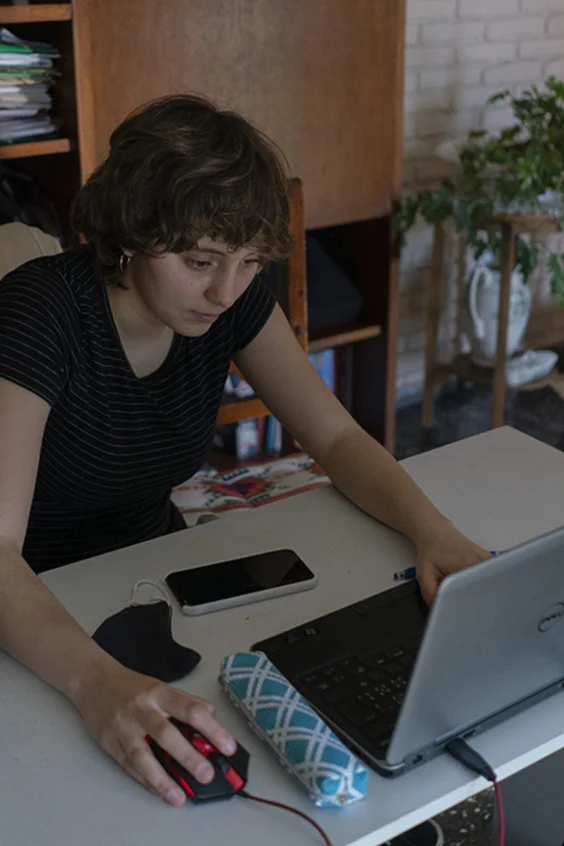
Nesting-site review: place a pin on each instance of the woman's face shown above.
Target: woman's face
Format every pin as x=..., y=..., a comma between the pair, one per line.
x=188, y=291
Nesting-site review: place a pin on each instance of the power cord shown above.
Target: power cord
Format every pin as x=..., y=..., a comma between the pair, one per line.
x=246, y=795
x=474, y=762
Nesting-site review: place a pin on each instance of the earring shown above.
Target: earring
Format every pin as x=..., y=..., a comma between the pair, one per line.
x=122, y=263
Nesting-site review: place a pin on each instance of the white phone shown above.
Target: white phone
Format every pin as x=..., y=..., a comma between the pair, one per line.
x=239, y=581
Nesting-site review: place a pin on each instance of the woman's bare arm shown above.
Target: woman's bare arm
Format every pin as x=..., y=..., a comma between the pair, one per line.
x=119, y=706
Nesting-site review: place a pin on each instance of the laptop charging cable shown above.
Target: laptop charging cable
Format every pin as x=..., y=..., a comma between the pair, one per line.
x=474, y=762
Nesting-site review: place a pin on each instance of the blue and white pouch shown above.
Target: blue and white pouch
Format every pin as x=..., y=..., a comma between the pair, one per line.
x=288, y=725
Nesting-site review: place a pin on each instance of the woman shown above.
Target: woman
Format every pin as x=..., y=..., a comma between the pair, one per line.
x=113, y=358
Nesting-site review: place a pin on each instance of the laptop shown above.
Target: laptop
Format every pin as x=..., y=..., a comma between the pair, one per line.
x=397, y=683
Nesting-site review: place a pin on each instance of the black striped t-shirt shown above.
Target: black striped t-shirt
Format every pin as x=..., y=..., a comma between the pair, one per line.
x=114, y=444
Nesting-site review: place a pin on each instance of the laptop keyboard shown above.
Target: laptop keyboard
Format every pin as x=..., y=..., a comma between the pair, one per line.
x=367, y=690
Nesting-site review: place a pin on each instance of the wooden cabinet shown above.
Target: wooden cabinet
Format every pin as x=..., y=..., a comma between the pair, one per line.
x=323, y=78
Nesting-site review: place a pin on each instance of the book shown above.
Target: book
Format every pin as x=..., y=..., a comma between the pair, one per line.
x=247, y=439
x=324, y=363
x=25, y=78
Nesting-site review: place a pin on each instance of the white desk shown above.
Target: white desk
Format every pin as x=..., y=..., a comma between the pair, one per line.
x=58, y=789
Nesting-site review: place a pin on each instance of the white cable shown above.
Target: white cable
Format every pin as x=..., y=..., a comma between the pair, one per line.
x=150, y=583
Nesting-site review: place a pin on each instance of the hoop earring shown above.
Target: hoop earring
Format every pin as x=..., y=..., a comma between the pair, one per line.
x=122, y=263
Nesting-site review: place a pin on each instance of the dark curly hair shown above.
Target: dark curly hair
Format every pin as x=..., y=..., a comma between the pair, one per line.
x=178, y=169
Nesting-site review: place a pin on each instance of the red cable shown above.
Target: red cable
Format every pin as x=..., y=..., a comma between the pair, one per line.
x=287, y=808
x=498, y=799
x=500, y=814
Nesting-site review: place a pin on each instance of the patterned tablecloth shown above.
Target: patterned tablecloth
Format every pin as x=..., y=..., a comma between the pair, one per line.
x=247, y=487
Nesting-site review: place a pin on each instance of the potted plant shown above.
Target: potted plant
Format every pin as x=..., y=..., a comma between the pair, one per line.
x=521, y=169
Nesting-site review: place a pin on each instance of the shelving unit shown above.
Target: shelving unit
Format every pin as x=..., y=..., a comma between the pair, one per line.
x=53, y=163
x=117, y=55
x=436, y=373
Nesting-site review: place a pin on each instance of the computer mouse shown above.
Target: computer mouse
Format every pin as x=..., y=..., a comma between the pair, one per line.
x=230, y=772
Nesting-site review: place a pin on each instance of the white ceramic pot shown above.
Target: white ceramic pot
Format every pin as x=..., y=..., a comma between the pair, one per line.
x=483, y=309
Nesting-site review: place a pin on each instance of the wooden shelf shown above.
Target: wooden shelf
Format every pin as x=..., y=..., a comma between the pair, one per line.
x=38, y=13
x=35, y=148
x=339, y=336
x=233, y=409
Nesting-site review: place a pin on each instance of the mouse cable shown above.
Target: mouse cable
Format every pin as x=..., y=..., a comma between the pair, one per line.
x=246, y=795
x=474, y=762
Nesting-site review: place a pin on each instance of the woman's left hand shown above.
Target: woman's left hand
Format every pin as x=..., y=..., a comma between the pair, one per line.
x=442, y=552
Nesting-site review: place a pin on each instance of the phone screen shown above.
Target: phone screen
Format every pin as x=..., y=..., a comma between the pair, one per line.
x=237, y=577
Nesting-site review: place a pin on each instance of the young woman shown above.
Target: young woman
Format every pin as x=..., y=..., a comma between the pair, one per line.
x=113, y=357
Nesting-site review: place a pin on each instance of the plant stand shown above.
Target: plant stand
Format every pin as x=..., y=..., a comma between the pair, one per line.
x=437, y=373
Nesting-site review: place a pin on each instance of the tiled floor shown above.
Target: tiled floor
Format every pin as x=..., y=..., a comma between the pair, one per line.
x=470, y=823
x=463, y=411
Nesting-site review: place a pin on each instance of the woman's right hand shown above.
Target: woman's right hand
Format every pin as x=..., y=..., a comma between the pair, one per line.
x=120, y=707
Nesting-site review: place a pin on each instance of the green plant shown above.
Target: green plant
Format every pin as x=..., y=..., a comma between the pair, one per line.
x=503, y=172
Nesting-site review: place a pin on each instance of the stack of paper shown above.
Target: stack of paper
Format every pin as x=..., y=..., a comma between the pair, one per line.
x=26, y=74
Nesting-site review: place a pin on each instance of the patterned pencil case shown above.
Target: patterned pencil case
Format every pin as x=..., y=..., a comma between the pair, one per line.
x=302, y=742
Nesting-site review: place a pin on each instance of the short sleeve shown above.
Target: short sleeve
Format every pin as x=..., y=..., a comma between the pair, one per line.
x=252, y=311
x=36, y=320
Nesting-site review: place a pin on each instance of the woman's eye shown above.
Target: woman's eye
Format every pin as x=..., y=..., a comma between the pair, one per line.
x=250, y=262
x=198, y=264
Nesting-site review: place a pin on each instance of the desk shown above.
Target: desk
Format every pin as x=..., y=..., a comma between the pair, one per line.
x=58, y=789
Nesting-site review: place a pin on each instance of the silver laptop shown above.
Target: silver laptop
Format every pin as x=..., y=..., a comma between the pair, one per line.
x=398, y=683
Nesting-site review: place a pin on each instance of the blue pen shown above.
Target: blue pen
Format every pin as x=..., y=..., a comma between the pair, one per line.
x=405, y=575
x=410, y=572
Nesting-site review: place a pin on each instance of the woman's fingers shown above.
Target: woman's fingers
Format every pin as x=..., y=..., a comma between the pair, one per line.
x=173, y=795
x=137, y=759
x=171, y=740
x=199, y=714
x=124, y=707
x=429, y=580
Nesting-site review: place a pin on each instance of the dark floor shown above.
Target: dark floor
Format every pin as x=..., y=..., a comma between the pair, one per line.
x=462, y=411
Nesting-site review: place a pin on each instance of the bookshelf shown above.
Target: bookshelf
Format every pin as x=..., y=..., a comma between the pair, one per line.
x=348, y=155
x=54, y=163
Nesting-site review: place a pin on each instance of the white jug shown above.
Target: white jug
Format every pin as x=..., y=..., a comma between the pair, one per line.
x=483, y=309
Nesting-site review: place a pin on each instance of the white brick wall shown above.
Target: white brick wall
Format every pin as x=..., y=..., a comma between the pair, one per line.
x=458, y=53
x=556, y=25
x=423, y=9
x=520, y=27
x=487, y=8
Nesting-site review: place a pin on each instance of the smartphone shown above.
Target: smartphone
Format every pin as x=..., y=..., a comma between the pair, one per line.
x=240, y=581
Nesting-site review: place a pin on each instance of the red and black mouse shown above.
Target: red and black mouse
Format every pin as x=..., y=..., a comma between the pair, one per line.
x=230, y=772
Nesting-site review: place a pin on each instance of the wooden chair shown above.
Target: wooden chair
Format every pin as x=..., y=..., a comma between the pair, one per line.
x=292, y=296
